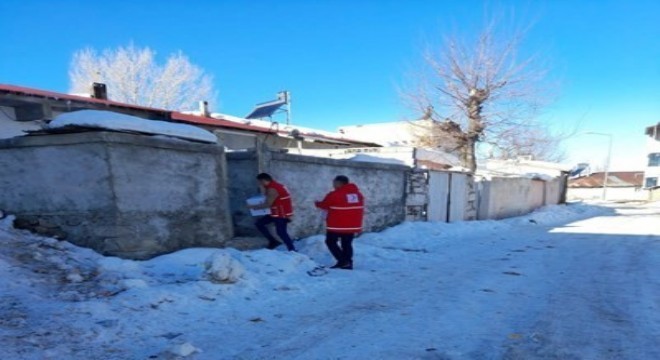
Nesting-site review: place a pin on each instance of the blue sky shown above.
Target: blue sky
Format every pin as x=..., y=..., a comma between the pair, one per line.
x=343, y=60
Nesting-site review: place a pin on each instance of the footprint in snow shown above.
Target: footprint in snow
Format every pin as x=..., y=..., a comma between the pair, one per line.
x=511, y=273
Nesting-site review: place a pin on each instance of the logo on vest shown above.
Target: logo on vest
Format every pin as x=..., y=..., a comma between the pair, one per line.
x=352, y=198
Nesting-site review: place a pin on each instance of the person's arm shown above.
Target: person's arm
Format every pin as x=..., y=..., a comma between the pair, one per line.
x=271, y=196
x=325, y=203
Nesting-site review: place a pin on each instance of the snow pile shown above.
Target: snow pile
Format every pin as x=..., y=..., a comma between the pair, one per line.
x=221, y=267
x=108, y=120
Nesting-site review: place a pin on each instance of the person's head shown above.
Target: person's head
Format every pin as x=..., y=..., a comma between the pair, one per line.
x=340, y=181
x=264, y=179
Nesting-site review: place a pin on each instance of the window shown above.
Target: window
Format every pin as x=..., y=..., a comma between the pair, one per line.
x=651, y=182
x=654, y=159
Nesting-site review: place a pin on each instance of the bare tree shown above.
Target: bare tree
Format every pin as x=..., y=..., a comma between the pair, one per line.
x=133, y=76
x=483, y=90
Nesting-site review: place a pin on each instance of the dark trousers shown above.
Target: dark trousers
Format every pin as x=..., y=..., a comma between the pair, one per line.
x=280, y=228
x=343, y=254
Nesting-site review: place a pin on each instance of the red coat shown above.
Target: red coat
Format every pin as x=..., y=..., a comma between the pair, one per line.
x=345, y=208
x=282, y=206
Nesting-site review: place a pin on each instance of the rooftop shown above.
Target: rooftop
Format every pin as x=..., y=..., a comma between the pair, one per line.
x=32, y=99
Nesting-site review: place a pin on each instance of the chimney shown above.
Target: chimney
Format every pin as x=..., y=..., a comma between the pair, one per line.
x=99, y=91
x=204, y=108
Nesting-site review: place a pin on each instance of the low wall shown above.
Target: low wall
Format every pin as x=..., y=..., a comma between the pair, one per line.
x=502, y=197
x=126, y=195
x=654, y=194
x=613, y=194
x=310, y=178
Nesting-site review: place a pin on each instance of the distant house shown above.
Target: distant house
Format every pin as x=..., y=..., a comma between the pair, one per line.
x=621, y=185
x=25, y=109
x=652, y=171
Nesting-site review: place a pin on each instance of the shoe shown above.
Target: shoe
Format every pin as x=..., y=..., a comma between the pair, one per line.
x=347, y=266
x=272, y=245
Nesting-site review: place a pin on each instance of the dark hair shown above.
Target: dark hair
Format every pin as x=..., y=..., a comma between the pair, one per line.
x=264, y=176
x=342, y=179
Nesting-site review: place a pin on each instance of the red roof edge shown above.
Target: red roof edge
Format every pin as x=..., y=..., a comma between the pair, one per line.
x=61, y=96
x=173, y=115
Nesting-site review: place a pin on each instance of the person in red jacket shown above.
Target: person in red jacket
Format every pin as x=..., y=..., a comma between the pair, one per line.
x=278, y=200
x=345, y=207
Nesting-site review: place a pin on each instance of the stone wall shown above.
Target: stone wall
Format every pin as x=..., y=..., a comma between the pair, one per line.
x=126, y=195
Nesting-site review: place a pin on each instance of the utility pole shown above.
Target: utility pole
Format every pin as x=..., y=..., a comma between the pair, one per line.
x=607, y=160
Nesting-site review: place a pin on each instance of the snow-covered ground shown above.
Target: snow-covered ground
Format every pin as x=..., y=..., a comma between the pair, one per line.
x=566, y=282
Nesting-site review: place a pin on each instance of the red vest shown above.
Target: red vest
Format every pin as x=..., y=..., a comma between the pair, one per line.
x=345, y=208
x=282, y=206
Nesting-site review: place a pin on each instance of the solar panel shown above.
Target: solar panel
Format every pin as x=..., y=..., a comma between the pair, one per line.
x=267, y=109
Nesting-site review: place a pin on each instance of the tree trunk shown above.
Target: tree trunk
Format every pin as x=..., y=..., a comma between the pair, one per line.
x=469, y=154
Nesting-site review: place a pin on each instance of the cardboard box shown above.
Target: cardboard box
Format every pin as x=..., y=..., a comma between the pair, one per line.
x=258, y=200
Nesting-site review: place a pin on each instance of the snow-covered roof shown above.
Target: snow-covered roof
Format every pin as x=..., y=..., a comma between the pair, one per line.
x=523, y=167
x=108, y=120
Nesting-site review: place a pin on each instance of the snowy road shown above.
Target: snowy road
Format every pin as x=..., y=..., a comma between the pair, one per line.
x=545, y=286
x=588, y=290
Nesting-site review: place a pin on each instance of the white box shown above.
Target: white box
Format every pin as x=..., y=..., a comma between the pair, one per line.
x=258, y=200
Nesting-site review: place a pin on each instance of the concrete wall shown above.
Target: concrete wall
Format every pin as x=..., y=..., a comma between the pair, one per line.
x=654, y=194
x=310, y=178
x=126, y=195
x=502, y=197
x=613, y=194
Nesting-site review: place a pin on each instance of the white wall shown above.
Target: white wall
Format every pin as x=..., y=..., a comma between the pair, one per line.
x=613, y=194
x=502, y=197
x=10, y=127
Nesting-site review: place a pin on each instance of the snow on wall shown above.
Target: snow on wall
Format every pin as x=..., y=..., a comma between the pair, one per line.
x=109, y=120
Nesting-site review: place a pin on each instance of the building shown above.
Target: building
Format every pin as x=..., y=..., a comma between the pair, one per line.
x=422, y=133
x=621, y=186
x=652, y=171
x=28, y=110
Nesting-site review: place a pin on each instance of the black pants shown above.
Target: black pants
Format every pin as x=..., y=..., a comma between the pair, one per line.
x=280, y=228
x=343, y=254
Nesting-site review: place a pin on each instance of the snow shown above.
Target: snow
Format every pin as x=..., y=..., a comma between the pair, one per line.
x=377, y=159
x=565, y=282
x=108, y=120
